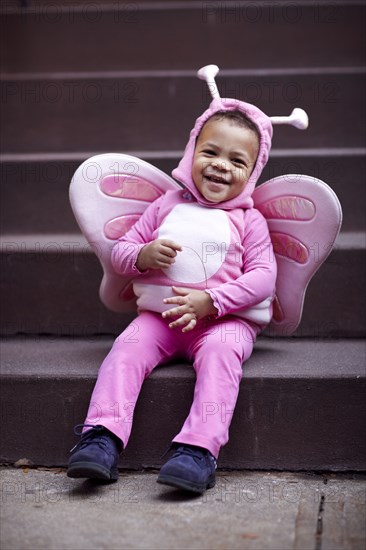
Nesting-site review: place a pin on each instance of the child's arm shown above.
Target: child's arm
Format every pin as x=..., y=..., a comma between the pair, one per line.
x=260, y=270
x=138, y=251
x=126, y=252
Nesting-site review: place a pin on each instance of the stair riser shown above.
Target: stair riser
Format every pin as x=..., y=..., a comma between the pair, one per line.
x=55, y=290
x=278, y=424
x=38, y=191
x=153, y=113
x=133, y=37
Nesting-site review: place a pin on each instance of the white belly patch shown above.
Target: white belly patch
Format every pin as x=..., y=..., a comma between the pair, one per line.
x=204, y=234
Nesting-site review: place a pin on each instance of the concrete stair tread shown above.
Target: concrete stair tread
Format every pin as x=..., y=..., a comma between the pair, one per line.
x=41, y=242
x=101, y=114
x=237, y=72
x=56, y=358
x=101, y=32
x=55, y=266
x=48, y=176
x=301, y=404
x=150, y=155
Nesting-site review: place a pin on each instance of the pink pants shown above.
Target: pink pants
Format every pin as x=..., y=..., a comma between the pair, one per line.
x=217, y=348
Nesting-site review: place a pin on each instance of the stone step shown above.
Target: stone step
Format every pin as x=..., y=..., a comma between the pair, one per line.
x=117, y=113
x=49, y=284
x=301, y=404
x=180, y=35
x=34, y=188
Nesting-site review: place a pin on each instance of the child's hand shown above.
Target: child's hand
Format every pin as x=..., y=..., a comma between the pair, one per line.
x=192, y=306
x=158, y=254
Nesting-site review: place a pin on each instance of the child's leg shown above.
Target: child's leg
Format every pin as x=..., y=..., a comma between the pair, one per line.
x=219, y=353
x=145, y=343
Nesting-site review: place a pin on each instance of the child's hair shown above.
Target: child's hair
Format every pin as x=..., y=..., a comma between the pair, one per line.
x=238, y=118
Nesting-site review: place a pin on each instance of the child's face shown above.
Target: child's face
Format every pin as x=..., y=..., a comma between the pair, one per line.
x=224, y=158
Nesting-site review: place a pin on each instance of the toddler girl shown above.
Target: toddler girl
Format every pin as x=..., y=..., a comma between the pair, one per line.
x=205, y=278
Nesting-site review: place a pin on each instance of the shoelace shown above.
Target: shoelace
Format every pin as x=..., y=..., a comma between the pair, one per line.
x=101, y=441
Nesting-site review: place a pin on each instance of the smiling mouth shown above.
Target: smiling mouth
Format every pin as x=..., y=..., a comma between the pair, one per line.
x=216, y=179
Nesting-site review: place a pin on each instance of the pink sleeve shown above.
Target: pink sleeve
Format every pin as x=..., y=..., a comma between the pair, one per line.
x=126, y=250
x=260, y=270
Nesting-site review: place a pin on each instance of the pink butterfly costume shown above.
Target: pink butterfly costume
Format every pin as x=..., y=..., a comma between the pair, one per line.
x=227, y=252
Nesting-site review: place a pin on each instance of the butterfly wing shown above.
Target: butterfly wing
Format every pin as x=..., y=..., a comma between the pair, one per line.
x=304, y=217
x=108, y=194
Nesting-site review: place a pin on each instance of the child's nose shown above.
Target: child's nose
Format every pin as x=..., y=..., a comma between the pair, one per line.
x=220, y=164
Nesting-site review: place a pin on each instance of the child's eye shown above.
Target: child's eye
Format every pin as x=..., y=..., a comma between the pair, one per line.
x=209, y=151
x=239, y=161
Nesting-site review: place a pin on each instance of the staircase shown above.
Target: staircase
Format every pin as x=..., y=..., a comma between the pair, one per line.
x=81, y=78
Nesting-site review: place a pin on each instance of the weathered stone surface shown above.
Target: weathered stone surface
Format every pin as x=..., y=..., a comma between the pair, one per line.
x=245, y=510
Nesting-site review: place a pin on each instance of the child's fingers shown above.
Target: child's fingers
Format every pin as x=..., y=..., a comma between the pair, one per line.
x=171, y=245
x=192, y=323
x=182, y=291
x=166, y=259
x=179, y=300
x=185, y=320
x=166, y=251
x=174, y=311
x=163, y=264
x=167, y=254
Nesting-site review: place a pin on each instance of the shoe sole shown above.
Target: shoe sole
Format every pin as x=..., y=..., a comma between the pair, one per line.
x=92, y=470
x=186, y=485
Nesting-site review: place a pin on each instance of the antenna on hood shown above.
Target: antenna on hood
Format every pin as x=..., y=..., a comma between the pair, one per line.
x=298, y=118
x=208, y=73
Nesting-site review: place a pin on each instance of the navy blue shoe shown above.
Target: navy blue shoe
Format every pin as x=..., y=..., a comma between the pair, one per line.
x=190, y=468
x=96, y=454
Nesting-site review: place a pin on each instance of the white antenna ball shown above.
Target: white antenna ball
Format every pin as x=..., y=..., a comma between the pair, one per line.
x=208, y=72
x=299, y=119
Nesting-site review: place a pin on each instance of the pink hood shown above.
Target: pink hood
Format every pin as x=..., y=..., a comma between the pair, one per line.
x=183, y=172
